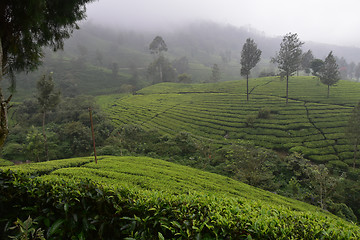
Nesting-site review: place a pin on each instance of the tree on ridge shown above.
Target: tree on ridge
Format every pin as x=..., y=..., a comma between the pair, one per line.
x=250, y=56
x=289, y=58
x=329, y=73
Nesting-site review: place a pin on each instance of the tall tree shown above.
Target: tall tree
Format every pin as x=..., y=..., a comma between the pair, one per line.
x=306, y=60
x=48, y=99
x=329, y=73
x=26, y=27
x=353, y=130
x=357, y=72
x=215, y=73
x=250, y=56
x=289, y=57
x=157, y=46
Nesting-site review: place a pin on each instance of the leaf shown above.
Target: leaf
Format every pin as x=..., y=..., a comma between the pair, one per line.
x=55, y=227
x=161, y=237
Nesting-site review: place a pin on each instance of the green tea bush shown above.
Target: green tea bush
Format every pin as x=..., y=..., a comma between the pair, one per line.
x=86, y=210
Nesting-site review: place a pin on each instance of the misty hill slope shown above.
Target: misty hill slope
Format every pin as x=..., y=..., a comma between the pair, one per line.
x=188, y=202
x=310, y=124
x=86, y=65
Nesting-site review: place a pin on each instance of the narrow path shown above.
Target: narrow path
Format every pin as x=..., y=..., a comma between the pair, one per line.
x=319, y=129
x=261, y=85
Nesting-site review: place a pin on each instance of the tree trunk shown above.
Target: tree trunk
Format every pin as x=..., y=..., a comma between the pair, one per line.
x=45, y=138
x=247, y=87
x=328, y=95
x=4, y=129
x=287, y=89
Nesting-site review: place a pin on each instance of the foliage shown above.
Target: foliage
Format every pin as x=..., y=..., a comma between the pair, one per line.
x=26, y=28
x=329, y=73
x=4, y=162
x=250, y=56
x=158, y=45
x=306, y=61
x=70, y=207
x=215, y=73
x=352, y=130
x=289, y=57
x=47, y=97
x=160, y=70
x=27, y=231
x=316, y=66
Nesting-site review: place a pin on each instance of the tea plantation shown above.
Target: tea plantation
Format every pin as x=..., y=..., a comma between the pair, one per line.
x=146, y=198
x=311, y=123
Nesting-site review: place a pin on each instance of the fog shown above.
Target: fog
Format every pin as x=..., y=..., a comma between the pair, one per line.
x=324, y=21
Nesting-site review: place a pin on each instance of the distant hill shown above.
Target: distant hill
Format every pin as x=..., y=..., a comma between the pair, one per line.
x=97, y=60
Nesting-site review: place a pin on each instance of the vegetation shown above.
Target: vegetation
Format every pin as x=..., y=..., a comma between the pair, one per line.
x=353, y=130
x=250, y=56
x=329, y=73
x=289, y=57
x=27, y=28
x=128, y=193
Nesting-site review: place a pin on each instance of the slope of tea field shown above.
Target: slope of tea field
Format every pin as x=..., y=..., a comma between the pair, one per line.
x=311, y=123
x=155, y=189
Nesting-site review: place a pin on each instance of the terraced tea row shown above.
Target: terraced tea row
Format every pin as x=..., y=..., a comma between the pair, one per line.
x=314, y=128
x=122, y=196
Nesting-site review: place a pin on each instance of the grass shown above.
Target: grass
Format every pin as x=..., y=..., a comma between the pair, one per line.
x=311, y=123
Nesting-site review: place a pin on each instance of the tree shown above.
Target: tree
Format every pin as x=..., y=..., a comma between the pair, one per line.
x=329, y=73
x=316, y=66
x=306, y=60
x=357, y=72
x=353, y=130
x=289, y=57
x=161, y=70
x=157, y=46
x=48, y=99
x=181, y=65
x=250, y=56
x=26, y=27
x=215, y=73
x=322, y=182
x=184, y=78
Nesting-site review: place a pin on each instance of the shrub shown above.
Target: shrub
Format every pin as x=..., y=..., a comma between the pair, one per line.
x=249, y=122
x=264, y=113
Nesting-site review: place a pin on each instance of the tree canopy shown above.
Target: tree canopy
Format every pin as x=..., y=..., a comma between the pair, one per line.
x=289, y=57
x=27, y=27
x=250, y=56
x=329, y=73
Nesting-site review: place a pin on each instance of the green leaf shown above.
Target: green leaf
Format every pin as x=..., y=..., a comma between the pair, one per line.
x=55, y=227
x=161, y=237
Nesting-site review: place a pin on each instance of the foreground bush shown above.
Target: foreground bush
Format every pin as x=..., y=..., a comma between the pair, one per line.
x=70, y=209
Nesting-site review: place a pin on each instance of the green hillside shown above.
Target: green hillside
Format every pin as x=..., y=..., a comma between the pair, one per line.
x=153, y=198
x=310, y=124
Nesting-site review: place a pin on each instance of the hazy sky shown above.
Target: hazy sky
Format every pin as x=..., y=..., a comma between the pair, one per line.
x=327, y=21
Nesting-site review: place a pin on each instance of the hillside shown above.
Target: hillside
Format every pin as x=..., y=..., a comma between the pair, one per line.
x=154, y=198
x=98, y=60
x=310, y=124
